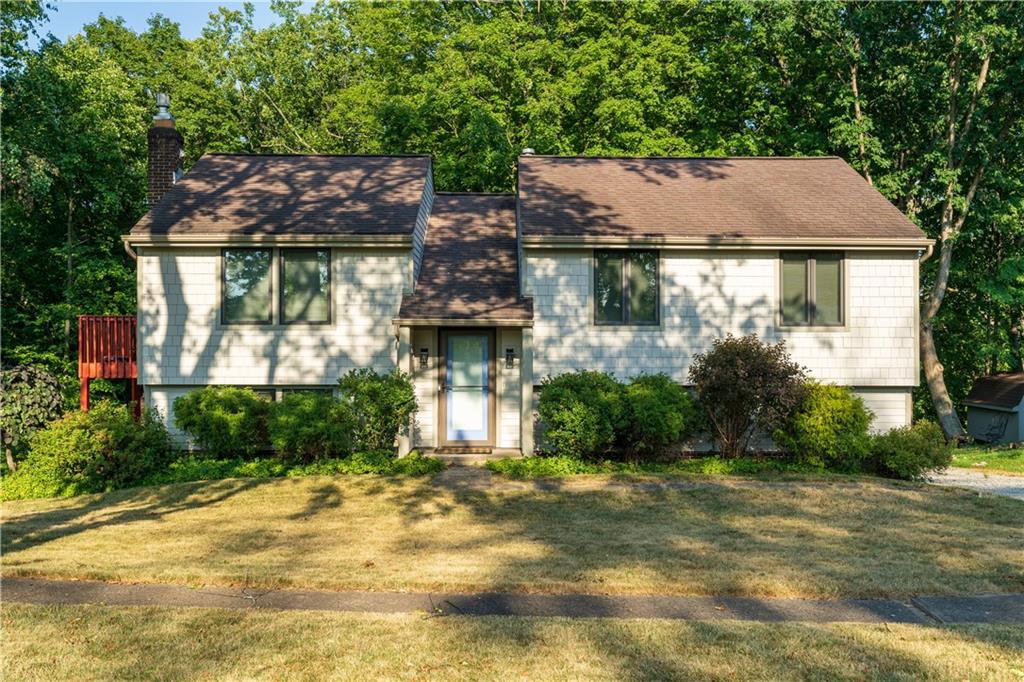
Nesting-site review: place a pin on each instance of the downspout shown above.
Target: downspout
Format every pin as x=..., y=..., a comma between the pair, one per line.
x=927, y=252
x=130, y=251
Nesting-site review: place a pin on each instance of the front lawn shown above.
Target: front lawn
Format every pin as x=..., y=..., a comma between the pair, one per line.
x=798, y=538
x=711, y=465
x=991, y=459
x=98, y=642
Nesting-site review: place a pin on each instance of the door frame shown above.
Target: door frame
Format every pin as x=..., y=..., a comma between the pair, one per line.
x=442, y=376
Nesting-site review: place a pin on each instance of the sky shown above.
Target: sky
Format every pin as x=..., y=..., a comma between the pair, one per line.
x=68, y=16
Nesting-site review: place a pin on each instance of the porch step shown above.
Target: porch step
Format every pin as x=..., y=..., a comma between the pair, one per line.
x=458, y=456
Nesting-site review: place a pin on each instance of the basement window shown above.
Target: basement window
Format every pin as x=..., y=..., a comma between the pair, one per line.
x=246, y=286
x=812, y=289
x=626, y=287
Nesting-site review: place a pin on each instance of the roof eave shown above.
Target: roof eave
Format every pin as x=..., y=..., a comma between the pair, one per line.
x=705, y=243
x=332, y=240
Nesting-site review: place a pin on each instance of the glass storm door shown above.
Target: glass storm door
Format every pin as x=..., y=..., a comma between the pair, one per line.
x=467, y=387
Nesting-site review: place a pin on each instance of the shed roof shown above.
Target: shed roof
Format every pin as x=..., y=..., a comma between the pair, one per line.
x=236, y=194
x=999, y=390
x=469, y=269
x=704, y=198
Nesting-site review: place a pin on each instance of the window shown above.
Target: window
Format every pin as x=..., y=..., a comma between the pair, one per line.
x=812, y=289
x=306, y=286
x=246, y=286
x=626, y=287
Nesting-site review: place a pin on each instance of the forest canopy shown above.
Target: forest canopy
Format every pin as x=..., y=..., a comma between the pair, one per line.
x=925, y=100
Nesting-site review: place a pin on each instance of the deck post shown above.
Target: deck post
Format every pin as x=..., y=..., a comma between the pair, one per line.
x=83, y=396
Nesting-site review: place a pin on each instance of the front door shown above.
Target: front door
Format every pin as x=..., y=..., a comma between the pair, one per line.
x=467, y=387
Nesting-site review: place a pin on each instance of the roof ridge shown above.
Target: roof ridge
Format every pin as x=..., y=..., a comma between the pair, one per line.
x=475, y=194
x=682, y=158
x=337, y=156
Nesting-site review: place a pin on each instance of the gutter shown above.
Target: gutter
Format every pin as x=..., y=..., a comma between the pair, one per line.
x=364, y=241
x=712, y=243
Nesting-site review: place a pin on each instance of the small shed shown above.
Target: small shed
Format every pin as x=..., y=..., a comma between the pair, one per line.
x=995, y=408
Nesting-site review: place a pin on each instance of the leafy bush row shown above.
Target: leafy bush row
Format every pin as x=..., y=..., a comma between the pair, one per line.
x=227, y=422
x=591, y=414
x=744, y=390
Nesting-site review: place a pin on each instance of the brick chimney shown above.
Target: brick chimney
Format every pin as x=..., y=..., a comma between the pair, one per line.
x=166, y=150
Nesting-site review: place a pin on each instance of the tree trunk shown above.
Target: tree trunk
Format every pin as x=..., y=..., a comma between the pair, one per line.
x=11, y=464
x=949, y=420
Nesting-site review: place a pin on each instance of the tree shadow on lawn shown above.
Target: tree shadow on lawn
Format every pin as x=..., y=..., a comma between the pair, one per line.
x=92, y=512
x=874, y=540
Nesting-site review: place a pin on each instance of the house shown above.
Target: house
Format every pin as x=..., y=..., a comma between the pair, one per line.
x=995, y=408
x=284, y=271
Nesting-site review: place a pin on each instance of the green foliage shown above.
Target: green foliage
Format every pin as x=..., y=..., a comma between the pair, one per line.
x=224, y=421
x=583, y=413
x=381, y=406
x=473, y=83
x=746, y=387
x=911, y=452
x=311, y=425
x=89, y=452
x=197, y=468
x=556, y=466
x=829, y=429
x=31, y=399
x=661, y=414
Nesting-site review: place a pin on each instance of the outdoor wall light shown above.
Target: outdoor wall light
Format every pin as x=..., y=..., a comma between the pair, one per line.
x=510, y=358
x=424, y=354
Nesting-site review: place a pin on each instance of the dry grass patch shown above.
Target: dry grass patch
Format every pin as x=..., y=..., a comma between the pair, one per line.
x=96, y=642
x=771, y=539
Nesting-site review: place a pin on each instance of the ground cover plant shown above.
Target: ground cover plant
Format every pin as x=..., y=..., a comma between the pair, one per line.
x=59, y=642
x=709, y=465
x=793, y=538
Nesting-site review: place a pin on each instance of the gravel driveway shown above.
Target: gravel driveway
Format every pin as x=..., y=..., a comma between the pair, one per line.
x=995, y=484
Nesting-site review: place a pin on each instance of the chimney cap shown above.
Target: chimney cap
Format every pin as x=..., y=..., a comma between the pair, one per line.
x=163, y=107
x=527, y=151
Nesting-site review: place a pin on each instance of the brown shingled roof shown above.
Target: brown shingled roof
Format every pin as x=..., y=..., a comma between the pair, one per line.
x=999, y=390
x=235, y=194
x=703, y=198
x=469, y=262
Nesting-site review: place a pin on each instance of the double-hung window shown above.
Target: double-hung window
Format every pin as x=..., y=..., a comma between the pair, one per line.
x=303, y=282
x=626, y=287
x=812, y=289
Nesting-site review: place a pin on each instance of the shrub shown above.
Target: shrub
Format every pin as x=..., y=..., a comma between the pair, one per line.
x=583, y=412
x=828, y=430
x=910, y=452
x=381, y=406
x=746, y=386
x=224, y=421
x=661, y=414
x=31, y=399
x=309, y=425
x=89, y=452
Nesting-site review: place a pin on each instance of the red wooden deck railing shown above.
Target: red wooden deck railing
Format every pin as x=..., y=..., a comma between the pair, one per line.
x=107, y=350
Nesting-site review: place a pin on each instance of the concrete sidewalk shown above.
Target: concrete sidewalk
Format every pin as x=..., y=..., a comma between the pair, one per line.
x=1003, y=608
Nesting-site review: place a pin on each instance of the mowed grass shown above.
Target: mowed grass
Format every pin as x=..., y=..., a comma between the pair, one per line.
x=996, y=460
x=97, y=642
x=854, y=538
